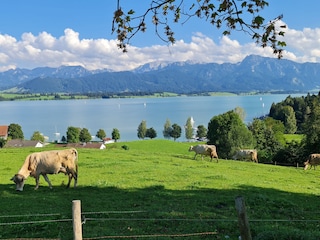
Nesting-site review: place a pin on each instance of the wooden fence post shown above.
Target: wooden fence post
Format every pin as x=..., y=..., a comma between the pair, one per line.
x=76, y=216
x=242, y=219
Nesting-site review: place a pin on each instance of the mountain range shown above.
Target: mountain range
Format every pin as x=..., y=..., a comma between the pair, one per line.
x=253, y=74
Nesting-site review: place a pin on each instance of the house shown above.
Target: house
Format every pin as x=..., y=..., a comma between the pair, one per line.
x=4, y=132
x=87, y=145
x=108, y=140
x=23, y=143
x=94, y=145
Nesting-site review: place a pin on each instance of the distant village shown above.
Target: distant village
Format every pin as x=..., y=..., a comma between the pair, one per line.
x=15, y=143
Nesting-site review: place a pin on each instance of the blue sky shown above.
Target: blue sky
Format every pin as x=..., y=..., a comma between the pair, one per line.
x=36, y=33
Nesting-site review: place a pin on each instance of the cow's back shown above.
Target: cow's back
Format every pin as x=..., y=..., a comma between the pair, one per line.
x=246, y=154
x=47, y=162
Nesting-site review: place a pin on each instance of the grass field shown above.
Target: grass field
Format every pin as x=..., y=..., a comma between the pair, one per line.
x=155, y=187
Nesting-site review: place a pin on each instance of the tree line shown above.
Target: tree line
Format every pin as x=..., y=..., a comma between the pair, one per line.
x=73, y=135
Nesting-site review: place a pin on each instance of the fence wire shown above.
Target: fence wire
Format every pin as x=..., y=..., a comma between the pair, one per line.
x=85, y=219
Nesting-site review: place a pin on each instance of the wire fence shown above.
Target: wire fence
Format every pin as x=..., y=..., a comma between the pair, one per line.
x=87, y=217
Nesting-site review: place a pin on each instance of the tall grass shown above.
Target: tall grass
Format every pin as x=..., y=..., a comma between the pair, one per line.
x=155, y=187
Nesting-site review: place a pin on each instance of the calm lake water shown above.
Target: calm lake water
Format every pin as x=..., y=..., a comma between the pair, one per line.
x=52, y=118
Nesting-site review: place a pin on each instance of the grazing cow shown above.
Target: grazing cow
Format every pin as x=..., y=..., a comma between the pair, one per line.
x=48, y=162
x=312, y=160
x=204, y=150
x=246, y=154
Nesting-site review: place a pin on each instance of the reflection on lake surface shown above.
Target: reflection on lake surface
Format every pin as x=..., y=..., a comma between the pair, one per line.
x=52, y=118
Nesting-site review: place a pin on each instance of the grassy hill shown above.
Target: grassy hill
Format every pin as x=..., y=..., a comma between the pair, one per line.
x=155, y=187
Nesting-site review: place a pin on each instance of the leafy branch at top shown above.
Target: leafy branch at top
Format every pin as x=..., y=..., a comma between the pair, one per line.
x=228, y=15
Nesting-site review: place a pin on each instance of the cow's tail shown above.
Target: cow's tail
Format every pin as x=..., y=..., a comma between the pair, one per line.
x=76, y=166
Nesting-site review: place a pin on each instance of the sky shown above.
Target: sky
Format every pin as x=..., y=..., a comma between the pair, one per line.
x=39, y=33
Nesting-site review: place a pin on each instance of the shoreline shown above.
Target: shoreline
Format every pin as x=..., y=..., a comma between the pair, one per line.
x=66, y=96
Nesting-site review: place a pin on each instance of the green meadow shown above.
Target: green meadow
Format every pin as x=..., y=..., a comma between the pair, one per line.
x=155, y=190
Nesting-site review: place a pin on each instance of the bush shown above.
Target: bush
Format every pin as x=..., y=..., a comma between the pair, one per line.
x=2, y=142
x=125, y=147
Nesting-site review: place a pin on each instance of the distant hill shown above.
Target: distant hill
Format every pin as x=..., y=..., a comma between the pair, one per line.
x=254, y=73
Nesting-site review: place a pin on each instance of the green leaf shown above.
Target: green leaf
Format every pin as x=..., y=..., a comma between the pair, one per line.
x=259, y=20
x=226, y=33
x=282, y=44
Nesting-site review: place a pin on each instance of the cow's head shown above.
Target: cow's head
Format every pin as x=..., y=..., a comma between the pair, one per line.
x=19, y=181
x=190, y=148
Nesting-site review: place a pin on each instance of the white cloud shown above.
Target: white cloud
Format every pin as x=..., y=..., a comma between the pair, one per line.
x=45, y=50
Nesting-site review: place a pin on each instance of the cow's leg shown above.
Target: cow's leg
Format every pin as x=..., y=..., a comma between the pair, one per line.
x=69, y=180
x=47, y=180
x=37, y=182
x=72, y=174
x=75, y=176
x=195, y=156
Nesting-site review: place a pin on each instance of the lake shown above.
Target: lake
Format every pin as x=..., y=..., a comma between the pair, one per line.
x=52, y=118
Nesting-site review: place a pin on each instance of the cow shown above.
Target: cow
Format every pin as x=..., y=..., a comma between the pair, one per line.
x=204, y=150
x=312, y=160
x=48, y=162
x=246, y=154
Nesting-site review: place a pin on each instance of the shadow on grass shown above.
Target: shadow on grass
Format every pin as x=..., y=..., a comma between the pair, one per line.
x=273, y=214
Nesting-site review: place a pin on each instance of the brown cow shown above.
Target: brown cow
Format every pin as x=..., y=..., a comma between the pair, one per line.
x=48, y=162
x=312, y=160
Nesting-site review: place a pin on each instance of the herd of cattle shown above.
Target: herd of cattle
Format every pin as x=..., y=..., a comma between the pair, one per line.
x=66, y=161
x=211, y=150
x=246, y=155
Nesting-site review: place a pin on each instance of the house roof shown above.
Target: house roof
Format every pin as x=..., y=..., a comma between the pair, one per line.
x=4, y=130
x=87, y=145
x=21, y=143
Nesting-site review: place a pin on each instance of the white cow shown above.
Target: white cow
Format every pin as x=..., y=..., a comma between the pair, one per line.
x=246, y=154
x=204, y=150
x=48, y=162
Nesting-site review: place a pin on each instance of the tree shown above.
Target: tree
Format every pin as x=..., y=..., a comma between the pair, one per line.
x=240, y=111
x=176, y=131
x=228, y=133
x=85, y=135
x=15, y=131
x=115, y=134
x=142, y=129
x=311, y=140
x=167, y=129
x=151, y=133
x=73, y=135
x=37, y=136
x=201, y=131
x=290, y=121
x=266, y=141
x=101, y=134
x=63, y=139
x=189, y=128
x=226, y=15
